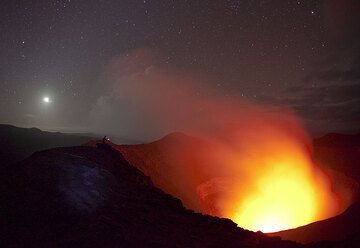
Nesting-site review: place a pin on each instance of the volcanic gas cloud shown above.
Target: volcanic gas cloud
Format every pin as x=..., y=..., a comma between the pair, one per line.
x=257, y=168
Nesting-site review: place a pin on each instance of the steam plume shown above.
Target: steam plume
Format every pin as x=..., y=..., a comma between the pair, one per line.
x=259, y=170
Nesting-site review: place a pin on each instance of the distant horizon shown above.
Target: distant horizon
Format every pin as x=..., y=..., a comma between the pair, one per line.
x=114, y=137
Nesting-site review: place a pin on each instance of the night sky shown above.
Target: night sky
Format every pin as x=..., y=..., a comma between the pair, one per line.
x=303, y=54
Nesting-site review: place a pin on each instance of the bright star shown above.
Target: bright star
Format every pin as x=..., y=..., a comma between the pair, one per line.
x=46, y=99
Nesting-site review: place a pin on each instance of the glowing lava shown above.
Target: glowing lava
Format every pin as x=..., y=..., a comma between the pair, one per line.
x=286, y=197
x=284, y=189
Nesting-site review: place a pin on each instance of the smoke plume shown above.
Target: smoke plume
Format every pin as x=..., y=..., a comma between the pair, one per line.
x=260, y=171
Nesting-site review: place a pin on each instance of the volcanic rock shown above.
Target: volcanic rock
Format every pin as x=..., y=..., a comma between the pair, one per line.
x=92, y=197
x=159, y=161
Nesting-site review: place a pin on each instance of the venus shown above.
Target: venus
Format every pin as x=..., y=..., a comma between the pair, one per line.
x=46, y=99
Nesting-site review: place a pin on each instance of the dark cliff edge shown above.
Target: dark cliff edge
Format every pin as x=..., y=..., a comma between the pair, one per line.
x=91, y=197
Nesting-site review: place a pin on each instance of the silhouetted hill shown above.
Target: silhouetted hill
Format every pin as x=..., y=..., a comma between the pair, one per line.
x=352, y=241
x=18, y=143
x=336, y=228
x=92, y=197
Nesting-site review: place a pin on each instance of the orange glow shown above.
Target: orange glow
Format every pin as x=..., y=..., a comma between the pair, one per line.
x=284, y=188
x=261, y=176
x=249, y=162
x=285, y=195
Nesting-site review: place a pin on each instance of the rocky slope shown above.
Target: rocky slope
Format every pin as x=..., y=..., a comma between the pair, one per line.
x=163, y=165
x=169, y=162
x=92, y=197
x=337, y=228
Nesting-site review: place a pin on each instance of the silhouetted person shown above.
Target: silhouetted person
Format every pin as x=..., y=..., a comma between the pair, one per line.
x=104, y=144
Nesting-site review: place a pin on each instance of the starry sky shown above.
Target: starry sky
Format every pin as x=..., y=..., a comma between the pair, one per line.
x=302, y=54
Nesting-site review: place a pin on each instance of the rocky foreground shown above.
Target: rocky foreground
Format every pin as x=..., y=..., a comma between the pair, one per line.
x=92, y=197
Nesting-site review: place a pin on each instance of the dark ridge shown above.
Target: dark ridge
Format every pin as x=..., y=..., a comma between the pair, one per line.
x=335, y=228
x=18, y=143
x=91, y=197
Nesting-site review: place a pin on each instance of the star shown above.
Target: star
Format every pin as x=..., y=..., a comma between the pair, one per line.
x=46, y=100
